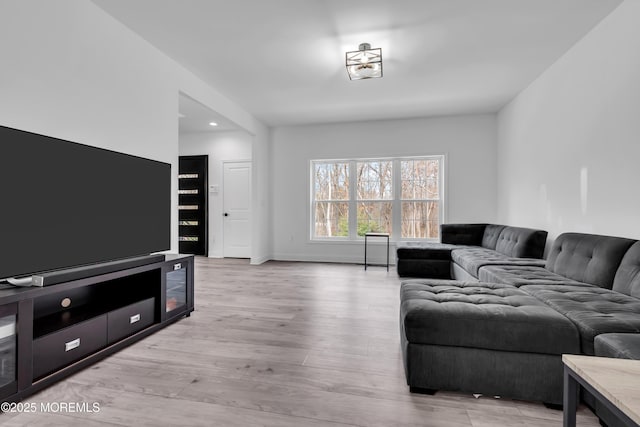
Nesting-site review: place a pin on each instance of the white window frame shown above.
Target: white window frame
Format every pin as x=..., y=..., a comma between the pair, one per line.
x=312, y=224
x=395, y=200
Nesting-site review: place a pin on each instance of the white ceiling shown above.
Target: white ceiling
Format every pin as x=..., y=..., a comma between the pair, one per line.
x=283, y=60
x=194, y=117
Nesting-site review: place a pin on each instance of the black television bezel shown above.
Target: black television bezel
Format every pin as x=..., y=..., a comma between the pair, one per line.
x=99, y=260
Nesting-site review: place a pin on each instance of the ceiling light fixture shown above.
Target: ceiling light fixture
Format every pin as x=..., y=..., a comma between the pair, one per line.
x=364, y=63
x=213, y=124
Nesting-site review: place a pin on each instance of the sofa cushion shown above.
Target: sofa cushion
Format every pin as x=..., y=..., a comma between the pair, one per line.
x=587, y=258
x=594, y=310
x=521, y=242
x=424, y=250
x=519, y=275
x=462, y=234
x=627, y=279
x=620, y=346
x=472, y=258
x=491, y=235
x=430, y=268
x=482, y=315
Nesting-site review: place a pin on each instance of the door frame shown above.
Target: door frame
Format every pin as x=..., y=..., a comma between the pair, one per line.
x=250, y=163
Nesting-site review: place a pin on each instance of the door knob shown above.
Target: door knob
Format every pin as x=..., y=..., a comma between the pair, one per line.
x=226, y=214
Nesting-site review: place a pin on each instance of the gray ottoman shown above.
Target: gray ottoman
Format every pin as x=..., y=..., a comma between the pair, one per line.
x=483, y=338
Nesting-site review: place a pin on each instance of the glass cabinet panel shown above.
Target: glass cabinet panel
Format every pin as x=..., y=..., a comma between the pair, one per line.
x=176, y=297
x=7, y=350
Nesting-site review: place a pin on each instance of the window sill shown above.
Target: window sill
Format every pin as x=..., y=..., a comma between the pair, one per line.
x=359, y=241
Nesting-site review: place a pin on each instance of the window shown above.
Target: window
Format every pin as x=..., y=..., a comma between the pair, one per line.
x=402, y=197
x=331, y=199
x=420, y=182
x=375, y=196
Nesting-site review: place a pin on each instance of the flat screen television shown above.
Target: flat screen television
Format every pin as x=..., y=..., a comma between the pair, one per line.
x=65, y=205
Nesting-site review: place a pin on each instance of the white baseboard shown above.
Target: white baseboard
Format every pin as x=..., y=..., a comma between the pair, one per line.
x=328, y=258
x=259, y=260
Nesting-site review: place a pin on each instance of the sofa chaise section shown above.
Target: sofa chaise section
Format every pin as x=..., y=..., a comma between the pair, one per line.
x=483, y=338
x=591, y=286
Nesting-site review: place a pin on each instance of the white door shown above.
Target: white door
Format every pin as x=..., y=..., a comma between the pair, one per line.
x=237, y=209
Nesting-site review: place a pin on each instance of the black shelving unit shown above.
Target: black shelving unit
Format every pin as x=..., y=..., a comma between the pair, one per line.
x=193, y=205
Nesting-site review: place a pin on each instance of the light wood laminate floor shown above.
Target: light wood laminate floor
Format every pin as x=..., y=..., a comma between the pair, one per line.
x=280, y=344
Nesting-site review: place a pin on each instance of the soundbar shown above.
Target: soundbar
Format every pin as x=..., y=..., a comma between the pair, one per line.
x=60, y=276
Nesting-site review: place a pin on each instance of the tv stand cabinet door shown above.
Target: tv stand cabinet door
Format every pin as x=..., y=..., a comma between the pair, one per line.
x=177, y=288
x=8, y=350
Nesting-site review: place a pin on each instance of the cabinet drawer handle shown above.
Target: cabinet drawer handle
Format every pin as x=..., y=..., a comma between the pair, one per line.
x=177, y=266
x=72, y=344
x=135, y=318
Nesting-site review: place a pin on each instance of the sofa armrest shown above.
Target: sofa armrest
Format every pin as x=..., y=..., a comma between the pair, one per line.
x=462, y=234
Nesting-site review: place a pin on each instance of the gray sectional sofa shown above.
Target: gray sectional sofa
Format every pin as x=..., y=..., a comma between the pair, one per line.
x=467, y=247
x=502, y=331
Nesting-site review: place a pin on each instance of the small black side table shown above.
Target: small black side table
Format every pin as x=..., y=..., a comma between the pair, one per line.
x=366, y=236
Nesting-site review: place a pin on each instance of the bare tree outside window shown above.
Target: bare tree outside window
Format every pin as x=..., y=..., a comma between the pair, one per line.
x=375, y=193
x=420, y=198
x=331, y=195
x=402, y=197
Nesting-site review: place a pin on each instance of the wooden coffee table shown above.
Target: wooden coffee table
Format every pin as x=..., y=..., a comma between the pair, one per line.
x=614, y=382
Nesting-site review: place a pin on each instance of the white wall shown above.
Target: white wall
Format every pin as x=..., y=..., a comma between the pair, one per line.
x=220, y=147
x=469, y=143
x=569, y=144
x=71, y=71
x=261, y=199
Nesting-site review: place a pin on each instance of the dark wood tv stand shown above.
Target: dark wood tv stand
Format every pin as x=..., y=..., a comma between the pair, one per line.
x=48, y=333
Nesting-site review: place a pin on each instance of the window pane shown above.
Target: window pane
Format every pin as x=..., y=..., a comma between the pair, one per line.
x=374, y=217
x=375, y=180
x=331, y=181
x=420, y=179
x=420, y=220
x=331, y=219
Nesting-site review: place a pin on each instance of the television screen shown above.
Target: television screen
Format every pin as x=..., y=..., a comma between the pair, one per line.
x=65, y=204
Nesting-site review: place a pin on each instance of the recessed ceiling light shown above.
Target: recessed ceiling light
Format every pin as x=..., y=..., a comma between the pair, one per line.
x=213, y=124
